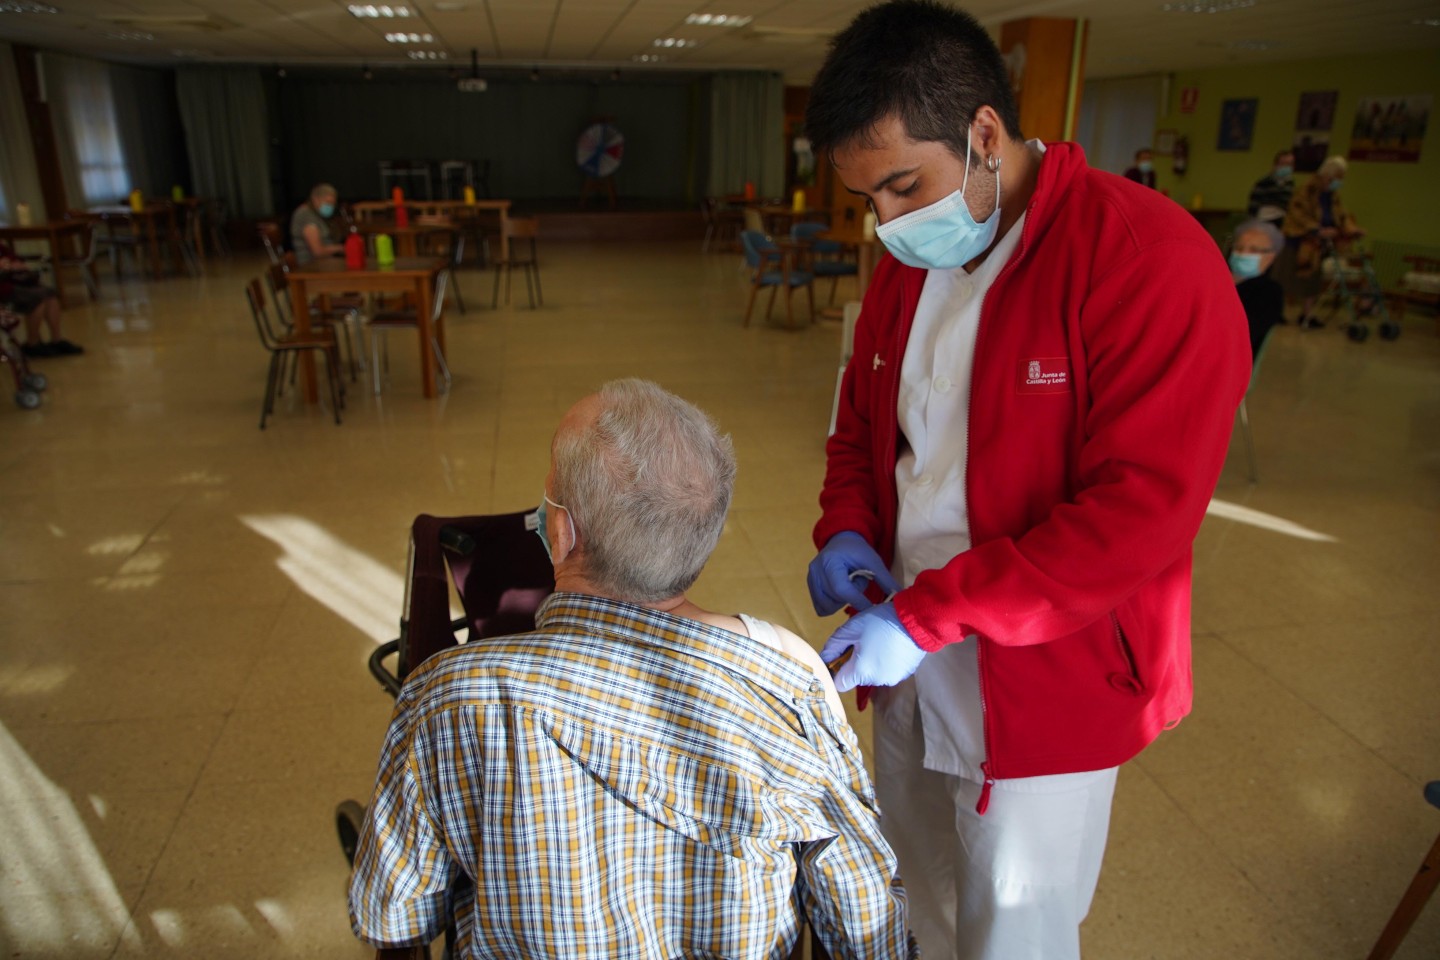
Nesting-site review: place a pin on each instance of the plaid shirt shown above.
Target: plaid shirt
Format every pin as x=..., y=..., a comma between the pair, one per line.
x=623, y=783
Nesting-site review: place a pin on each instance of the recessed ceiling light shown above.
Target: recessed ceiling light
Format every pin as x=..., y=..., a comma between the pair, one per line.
x=372, y=11
x=717, y=20
x=674, y=42
x=1207, y=6
x=1426, y=22
x=428, y=55
x=128, y=35
x=410, y=37
x=21, y=6
x=648, y=58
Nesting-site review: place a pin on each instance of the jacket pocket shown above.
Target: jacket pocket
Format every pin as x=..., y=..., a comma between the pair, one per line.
x=1126, y=678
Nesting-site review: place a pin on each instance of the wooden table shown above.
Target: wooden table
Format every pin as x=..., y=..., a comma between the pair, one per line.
x=413, y=275
x=404, y=237
x=779, y=218
x=144, y=219
x=56, y=233
x=457, y=210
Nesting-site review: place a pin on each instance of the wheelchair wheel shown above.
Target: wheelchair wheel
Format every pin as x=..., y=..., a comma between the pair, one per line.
x=1357, y=331
x=36, y=381
x=27, y=399
x=348, y=817
x=1389, y=330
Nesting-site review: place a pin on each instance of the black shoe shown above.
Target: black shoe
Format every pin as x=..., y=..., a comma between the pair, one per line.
x=38, y=349
x=64, y=348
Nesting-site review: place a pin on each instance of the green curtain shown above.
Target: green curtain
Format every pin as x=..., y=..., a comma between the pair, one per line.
x=747, y=133
x=226, y=133
x=19, y=177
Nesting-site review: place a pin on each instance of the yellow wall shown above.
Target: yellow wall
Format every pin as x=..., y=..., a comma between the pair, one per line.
x=1398, y=203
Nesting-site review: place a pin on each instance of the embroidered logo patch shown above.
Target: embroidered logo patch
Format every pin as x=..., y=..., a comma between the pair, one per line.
x=1044, y=375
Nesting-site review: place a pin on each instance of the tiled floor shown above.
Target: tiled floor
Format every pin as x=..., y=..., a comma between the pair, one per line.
x=186, y=604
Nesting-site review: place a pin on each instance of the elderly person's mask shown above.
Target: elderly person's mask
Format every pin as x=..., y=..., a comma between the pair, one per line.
x=1251, y=256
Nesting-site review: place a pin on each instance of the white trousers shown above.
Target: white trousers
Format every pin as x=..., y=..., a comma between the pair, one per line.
x=1011, y=885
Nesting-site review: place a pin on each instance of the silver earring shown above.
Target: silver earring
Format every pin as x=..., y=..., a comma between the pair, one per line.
x=992, y=163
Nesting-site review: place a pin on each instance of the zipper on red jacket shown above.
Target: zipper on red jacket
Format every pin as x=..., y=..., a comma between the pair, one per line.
x=984, y=803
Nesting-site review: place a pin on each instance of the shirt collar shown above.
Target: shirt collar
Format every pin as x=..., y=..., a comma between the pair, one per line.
x=631, y=623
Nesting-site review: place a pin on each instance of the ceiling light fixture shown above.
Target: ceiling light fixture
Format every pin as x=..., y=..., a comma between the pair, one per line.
x=717, y=20
x=1426, y=22
x=369, y=11
x=676, y=42
x=1207, y=6
x=410, y=37
x=428, y=55
x=128, y=35
x=648, y=58
x=20, y=6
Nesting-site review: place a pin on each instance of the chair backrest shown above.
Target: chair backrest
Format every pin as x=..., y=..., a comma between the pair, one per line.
x=271, y=238
x=1259, y=355
x=755, y=243
x=521, y=227
x=279, y=282
x=437, y=309
x=807, y=230
x=259, y=314
x=753, y=220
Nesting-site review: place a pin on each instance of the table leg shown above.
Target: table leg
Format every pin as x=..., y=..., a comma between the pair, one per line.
x=405, y=244
x=197, y=224
x=424, y=304
x=300, y=310
x=153, y=236
x=504, y=237
x=55, y=253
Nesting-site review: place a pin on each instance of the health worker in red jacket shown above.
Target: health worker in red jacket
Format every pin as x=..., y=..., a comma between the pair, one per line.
x=1045, y=375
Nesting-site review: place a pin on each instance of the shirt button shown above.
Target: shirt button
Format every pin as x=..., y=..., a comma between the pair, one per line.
x=942, y=384
x=925, y=480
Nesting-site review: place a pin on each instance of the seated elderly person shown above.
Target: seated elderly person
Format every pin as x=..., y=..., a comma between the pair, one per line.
x=638, y=777
x=1257, y=243
x=310, y=226
x=22, y=291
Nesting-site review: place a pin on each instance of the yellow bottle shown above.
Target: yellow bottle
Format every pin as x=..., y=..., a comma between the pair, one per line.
x=470, y=195
x=137, y=201
x=797, y=202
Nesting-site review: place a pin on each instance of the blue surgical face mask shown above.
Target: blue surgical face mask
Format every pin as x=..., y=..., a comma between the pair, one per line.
x=943, y=235
x=1145, y=166
x=327, y=210
x=1244, y=266
x=1282, y=173
x=542, y=530
x=1335, y=184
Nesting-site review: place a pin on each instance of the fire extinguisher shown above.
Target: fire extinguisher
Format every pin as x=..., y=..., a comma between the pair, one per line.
x=1180, y=156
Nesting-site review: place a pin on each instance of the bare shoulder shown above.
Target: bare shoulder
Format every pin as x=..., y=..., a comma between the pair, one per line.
x=795, y=646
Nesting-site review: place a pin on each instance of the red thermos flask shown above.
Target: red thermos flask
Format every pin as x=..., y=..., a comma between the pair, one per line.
x=354, y=251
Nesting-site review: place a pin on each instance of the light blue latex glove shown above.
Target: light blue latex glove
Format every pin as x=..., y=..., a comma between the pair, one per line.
x=884, y=654
x=837, y=575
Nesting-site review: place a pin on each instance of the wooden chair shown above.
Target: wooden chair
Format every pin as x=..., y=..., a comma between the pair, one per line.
x=1416, y=895
x=771, y=267
x=272, y=238
x=513, y=229
x=342, y=313
x=828, y=257
x=406, y=318
x=85, y=259
x=287, y=345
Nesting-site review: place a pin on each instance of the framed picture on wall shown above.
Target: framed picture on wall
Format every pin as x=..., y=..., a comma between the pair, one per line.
x=1390, y=129
x=1237, y=123
x=1313, y=121
x=1165, y=142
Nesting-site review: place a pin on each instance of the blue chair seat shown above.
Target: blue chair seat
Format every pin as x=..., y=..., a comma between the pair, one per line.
x=773, y=278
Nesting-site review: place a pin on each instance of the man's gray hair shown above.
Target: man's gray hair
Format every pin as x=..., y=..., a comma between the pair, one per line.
x=1272, y=233
x=648, y=486
x=322, y=190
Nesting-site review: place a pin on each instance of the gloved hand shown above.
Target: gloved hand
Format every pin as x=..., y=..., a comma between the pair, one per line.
x=884, y=653
x=846, y=555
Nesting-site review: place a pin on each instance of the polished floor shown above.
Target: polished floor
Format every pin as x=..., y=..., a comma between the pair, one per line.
x=187, y=603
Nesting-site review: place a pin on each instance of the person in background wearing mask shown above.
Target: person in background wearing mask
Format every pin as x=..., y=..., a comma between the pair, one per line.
x=310, y=226
x=1316, y=222
x=1257, y=243
x=1270, y=197
x=1046, y=372
x=1143, y=172
x=637, y=777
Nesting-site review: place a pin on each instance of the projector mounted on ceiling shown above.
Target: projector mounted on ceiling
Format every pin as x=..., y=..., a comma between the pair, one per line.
x=473, y=83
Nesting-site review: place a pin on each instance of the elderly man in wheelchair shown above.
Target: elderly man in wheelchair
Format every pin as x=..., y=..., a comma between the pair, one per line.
x=636, y=777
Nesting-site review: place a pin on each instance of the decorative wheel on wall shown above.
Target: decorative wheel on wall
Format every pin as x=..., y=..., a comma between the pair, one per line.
x=599, y=150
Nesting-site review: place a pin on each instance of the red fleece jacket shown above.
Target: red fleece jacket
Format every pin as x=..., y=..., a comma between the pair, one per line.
x=1111, y=356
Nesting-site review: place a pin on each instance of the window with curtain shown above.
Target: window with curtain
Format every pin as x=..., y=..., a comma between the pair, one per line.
x=1117, y=117
x=91, y=145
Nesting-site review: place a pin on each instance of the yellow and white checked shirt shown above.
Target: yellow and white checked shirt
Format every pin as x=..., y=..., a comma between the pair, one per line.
x=622, y=783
